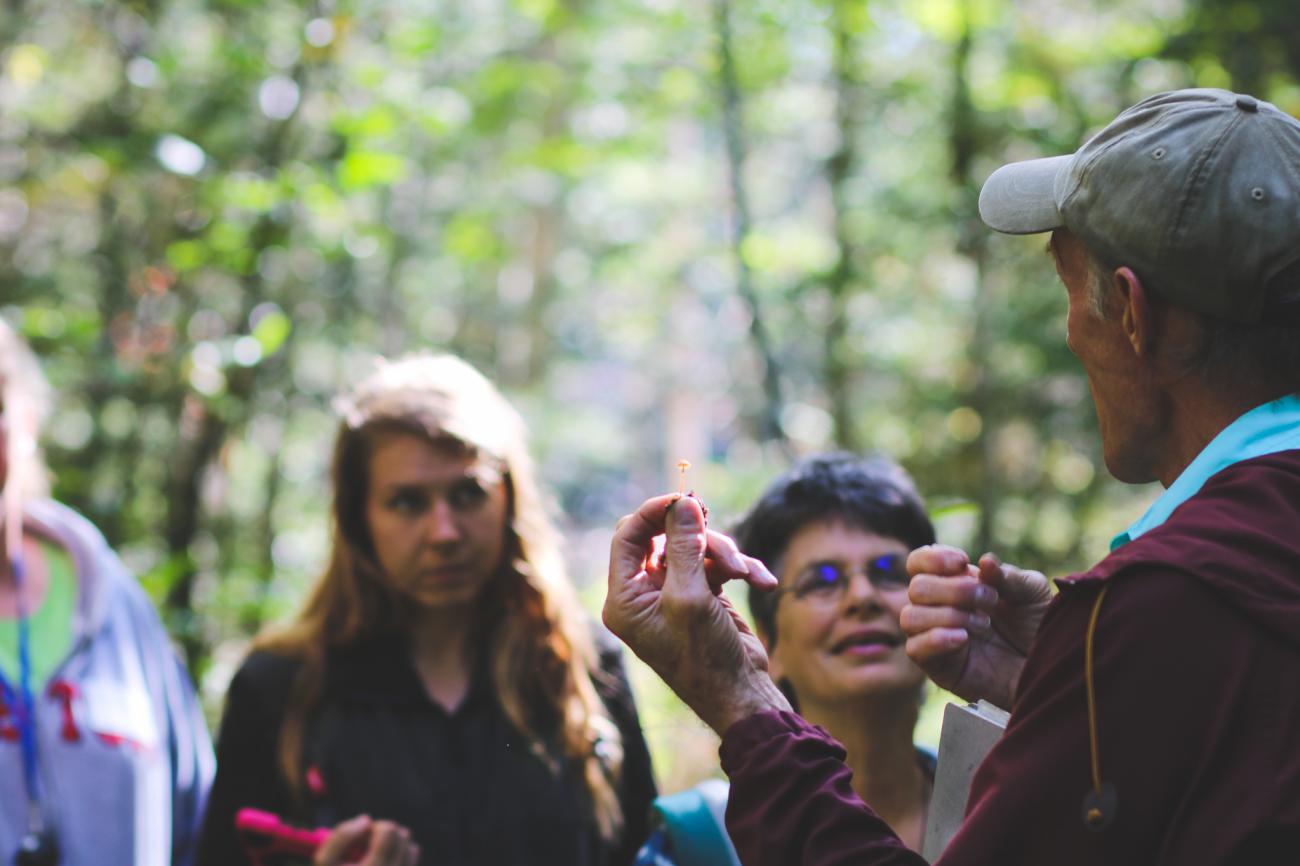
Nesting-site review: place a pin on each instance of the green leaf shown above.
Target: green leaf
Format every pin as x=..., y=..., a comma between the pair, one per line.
x=537, y=10
x=186, y=255
x=271, y=330
x=416, y=40
x=470, y=238
x=251, y=193
x=364, y=169
x=377, y=121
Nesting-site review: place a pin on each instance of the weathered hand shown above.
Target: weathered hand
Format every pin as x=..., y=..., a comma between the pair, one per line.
x=675, y=618
x=384, y=844
x=970, y=627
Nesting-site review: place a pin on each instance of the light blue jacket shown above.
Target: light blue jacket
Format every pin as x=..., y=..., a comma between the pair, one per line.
x=125, y=756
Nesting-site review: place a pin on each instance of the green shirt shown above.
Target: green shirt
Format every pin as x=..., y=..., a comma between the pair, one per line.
x=49, y=626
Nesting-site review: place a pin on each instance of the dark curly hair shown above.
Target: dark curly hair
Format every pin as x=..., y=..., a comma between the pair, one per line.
x=872, y=493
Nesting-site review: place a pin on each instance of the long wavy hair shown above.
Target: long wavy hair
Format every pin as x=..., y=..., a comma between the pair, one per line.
x=530, y=626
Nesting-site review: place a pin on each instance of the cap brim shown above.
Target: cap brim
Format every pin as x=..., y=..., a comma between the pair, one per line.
x=1020, y=198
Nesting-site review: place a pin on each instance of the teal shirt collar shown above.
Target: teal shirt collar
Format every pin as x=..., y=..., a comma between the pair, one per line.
x=1265, y=429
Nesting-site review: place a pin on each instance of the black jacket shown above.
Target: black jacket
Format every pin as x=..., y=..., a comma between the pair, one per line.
x=465, y=783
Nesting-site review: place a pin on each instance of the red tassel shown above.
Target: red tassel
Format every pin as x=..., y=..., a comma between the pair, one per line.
x=116, y=740
x=63, y=692
x=8, y=729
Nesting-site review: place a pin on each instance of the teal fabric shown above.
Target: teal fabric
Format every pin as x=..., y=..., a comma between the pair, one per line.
x=694, y=827
x=1266, y=429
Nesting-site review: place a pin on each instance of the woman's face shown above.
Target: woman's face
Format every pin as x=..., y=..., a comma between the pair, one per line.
x=437, y=519
x=838, y=638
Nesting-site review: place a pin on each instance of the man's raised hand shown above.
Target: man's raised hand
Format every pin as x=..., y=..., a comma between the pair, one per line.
x=970, y=626
x=671, y=611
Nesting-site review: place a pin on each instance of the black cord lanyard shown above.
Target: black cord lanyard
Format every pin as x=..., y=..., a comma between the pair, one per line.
x=1101, y=803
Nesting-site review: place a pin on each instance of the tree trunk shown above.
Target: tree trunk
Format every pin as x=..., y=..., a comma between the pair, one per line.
x=836, y=365
x=973, y=243
x=769, y=423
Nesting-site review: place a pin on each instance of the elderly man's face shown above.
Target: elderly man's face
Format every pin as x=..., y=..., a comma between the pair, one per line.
x=1129, y=410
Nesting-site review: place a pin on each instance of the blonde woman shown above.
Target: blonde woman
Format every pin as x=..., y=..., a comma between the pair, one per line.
x=441, y=693
x=104, y=755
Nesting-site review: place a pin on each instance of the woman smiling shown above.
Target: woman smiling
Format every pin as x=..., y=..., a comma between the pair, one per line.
x=836, y=531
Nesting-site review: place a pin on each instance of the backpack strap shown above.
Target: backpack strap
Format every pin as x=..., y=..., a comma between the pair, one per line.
x=695, y=825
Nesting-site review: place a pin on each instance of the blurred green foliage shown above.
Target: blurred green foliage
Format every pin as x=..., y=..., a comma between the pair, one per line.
x=212, y=214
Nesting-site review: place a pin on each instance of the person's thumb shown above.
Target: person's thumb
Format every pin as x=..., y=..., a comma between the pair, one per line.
x=346, y=838
x=684, y=547
x=1016, y=586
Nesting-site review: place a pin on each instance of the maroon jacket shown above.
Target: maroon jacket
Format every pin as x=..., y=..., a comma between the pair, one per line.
x=1197, y=673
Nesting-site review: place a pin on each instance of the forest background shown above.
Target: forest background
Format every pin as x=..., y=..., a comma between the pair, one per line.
x=725, y=232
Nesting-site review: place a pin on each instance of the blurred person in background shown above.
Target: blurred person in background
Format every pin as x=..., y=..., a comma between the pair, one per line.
x=836, y=530
x=104, y=755
x=442, y=692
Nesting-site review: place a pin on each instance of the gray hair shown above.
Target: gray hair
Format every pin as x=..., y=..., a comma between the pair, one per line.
x=1230, y=355
x=1100, y=287
x=21, y=380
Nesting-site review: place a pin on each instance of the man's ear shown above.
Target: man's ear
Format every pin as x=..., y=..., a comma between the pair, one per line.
x=1135, y=311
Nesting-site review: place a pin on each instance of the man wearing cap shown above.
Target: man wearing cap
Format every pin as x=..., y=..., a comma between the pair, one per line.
x=1156, y=698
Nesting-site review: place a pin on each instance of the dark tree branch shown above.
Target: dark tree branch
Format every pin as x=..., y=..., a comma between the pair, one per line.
x=972, y=241
x=840, y=166
x=770, y=416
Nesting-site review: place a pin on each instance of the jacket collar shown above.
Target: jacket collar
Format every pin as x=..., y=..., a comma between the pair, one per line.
x=94, y=563
x=1266, y=429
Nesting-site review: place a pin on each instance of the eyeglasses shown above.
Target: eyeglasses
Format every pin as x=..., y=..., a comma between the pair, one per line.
x=826, y=582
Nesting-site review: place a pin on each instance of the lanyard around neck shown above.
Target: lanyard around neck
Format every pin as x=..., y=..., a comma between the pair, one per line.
x=20, y=699
x=20, y=443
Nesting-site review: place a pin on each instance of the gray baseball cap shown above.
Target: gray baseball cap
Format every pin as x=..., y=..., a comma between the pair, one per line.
x=1198, y=191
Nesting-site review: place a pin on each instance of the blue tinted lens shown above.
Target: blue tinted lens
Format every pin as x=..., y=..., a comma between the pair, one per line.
x=827, y=574
x=889, y=569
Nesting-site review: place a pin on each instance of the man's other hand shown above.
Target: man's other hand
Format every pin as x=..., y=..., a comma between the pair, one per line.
x=970, y=626
x=671, y=611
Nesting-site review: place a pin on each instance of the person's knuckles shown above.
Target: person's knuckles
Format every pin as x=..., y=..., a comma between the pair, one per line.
x=1024, y=582
x=935, y=589
x=685, y=549
x=921, y=589
x=686, y=604
x=966, y=593
x=937, y=559
x=919, y=561
x=916, y=619
x=927, y=652
x=910, y=619
x=388, y=841
x=684, y=601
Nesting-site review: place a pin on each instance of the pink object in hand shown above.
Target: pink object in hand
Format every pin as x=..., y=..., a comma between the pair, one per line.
x=266, y=837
